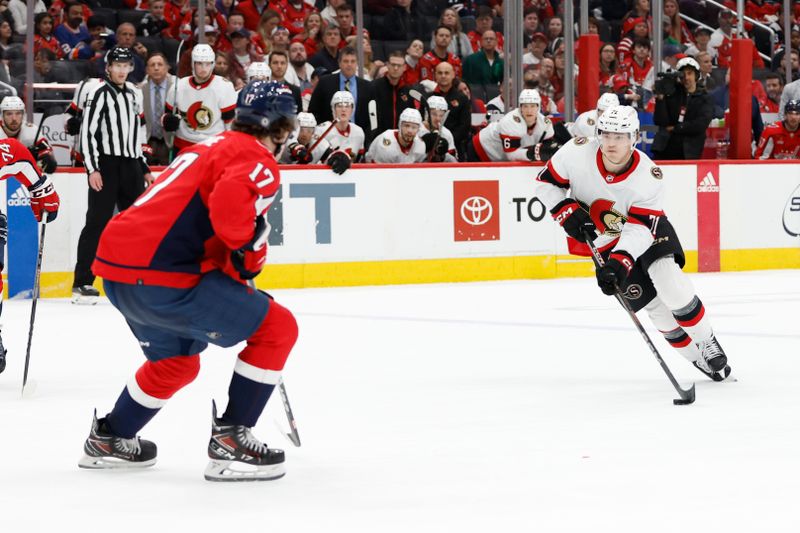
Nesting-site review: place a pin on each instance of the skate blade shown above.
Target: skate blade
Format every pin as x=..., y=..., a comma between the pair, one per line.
x=221, y=470
x=84, y=300
x=111, y=463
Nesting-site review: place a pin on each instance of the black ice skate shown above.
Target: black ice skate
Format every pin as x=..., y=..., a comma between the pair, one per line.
x=85, y=295
x=2, y=356
x=720, y=375
x=712, y=354
x=236, y=455
x=104, y=450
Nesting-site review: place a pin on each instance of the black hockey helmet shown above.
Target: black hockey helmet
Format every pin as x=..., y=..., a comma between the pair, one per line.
x=261, y=103
x=792, y=106
x=119, y=54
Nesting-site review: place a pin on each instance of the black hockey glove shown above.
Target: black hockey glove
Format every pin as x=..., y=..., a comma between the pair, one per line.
x=614, y=273
x=339, y=162
x=73, y=126
x=574, y=219
x=250, y=258
x=48, y=164
x=542, y=151
x=170, y=122
x=299, y=154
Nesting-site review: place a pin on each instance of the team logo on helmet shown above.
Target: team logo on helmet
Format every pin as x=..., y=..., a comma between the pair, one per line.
x=656, y=172
x=199, y=117
x=608, y=220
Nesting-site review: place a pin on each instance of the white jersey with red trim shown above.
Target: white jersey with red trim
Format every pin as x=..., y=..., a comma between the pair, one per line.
x=206, y=109
x=26, y=134
x=508, y=138
x=625, y=207
x=351, y=140
x=585, y=125
x=385, y=148
x=447, y=135
x=320, y=151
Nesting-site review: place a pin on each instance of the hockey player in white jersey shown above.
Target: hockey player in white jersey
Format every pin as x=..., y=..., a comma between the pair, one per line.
x=80, y=101
x=345, y=136
x=616, y=191
x=205, y=102
x=401, y=145
x=438, y=139
x=13, y=126
x=586, y=123
x=524, y=134
x=298, y=150
x=258, y=70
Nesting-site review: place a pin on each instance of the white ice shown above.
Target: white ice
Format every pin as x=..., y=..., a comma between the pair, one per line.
x=491, y=407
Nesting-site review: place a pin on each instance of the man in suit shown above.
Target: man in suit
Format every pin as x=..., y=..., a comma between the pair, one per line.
x=154, y=90
x=344, y=80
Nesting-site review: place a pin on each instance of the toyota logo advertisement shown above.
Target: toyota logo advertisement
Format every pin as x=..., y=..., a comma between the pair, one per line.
x=476, y=215
x=476, y=210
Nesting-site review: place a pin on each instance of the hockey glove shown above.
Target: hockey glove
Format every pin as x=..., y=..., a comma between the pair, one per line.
x=44, y=199
x=574, y=219
x=170, y=122
x=47, y=163
x=73, y=126
x=614, y=273
x=542, y=151
x=299, y=154
x=250, y=258
x=339, y=162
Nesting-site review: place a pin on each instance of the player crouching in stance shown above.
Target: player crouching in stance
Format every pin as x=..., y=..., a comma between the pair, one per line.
x=175, y=264
x=618, y=192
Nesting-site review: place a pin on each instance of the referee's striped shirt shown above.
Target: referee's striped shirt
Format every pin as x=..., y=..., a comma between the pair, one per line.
x=112, y=125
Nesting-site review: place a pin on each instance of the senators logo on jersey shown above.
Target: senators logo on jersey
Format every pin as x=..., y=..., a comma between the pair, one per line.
x=199, y=117
x=608, y=220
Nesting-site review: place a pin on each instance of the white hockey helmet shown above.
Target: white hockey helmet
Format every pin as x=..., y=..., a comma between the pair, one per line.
x=687, y=62
x=437, y=102
x=258, y=70
x=530, y=96
x=620, y=119
x=342, y=97
x=606, y=101
x=410, y=115
x=306, y=120
x=203, y=53
x=12, y=103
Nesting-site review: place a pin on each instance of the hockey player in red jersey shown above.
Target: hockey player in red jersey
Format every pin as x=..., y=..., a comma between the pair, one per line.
x=618, y=192
x=17, y=162
x=781, y=140
x=176, y=265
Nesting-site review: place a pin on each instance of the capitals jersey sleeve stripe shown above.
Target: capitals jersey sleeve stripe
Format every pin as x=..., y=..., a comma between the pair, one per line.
x=25, y=171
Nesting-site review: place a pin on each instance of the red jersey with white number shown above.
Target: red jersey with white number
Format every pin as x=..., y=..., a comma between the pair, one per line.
x=17, y=162
x=624, y=207
x=778, y=143
x=508, y=139
x=202, y=207
x=205, y=108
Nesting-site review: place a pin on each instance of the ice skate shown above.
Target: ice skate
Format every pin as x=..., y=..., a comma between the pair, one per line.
x=720, y=375
x=85, y=295
x=236, y=455
x=712, y=354
x=103, y=450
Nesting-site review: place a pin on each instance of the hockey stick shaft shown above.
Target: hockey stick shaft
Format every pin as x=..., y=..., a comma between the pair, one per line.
x=438, y=136
x=175, y=94
x=324, y=134
x=688, y=394
x=35, y=299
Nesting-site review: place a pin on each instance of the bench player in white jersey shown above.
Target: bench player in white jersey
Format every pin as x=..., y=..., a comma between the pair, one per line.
x=302, y=139
x=438, y=139
x=524, y=134
x=80, y=101
x=586, y=123
x=616, y=191
x=345, y=135
x=13, y=126
x=401, y=145
x=205, y=102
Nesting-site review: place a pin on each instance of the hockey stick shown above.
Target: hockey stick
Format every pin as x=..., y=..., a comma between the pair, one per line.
x=686, y=396
x=175, y=94
x=78, y=135
x=35, y=298
x=372, y=107
x=438, y=135
x=326, y=132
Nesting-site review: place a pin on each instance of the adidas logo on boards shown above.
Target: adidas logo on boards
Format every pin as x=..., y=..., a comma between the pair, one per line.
x=708, y=184
x=19, y=198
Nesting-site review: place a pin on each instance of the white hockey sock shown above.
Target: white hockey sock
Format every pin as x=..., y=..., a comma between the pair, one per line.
x=676, y=336
x=675, y=289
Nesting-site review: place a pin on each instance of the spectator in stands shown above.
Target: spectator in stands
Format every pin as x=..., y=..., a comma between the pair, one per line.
x=43, y=35
x=671, y=55
x=484, y=67
x=300, y=70
x=633, y=29
x=235, y=23
x=253, y=10
x=706, y=68
x=154, y=95
x=243, y=53
x=99, y=32
x=372, y=68
x=722, y=41
x=42, y=73
x=73, y=34
x=280, y=39
x=460, y=117
x=270, y=19
x=279, y=64
x=530, y=24
x=222, y=67
x=5, y=14
x=328, y=13
x=126, y=38
x=442, y=37
x=483, y=22
x=391, y=97
x=679, y=30
x=683, y=113
x=476, y=105
x=293, y=14
x=414, y=53
x=608, y=65
x=6, y=35
x=773, y=83
x=781, y=69
x=636, y=77
x=174, y=11
x=554, y=28
x=404, y=23
x=791, y=91
x=536, y=48
x=312, y=34
x=344, y=80
x=547, y=69
x=344, y=20
x=700, y=44
x=640, y=9
x=327, y=55
x=153, y=23
x=19, y=11
x=459, y=44
x=544, y=8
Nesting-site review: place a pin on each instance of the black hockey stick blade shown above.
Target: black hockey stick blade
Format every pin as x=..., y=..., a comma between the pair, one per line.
x=34, y=298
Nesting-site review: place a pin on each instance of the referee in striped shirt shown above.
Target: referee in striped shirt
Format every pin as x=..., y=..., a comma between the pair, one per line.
x=111, y=142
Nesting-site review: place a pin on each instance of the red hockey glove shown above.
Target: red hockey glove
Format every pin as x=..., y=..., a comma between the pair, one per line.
x=613, y=274
x=574, y=219
x=147, y=150
x=250, y=258
x=44, y=199
x=339, y=162
x=299, y=154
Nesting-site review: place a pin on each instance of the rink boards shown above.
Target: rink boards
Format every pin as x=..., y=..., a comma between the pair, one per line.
x=439, y=223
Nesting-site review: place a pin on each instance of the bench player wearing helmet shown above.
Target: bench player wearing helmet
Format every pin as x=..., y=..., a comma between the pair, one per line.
x=15, y=127
x=298, y=148
x=586, y=123
x=345, y=136
x=401, y=145
x=176, y=265
x=616, y=191
x=781, y=140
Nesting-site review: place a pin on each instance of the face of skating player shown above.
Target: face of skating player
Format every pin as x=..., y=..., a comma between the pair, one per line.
x=408, y=130
x=12, y=121
x=616, y=147
x=203, y=71
x=529, y=113
x=343, y=112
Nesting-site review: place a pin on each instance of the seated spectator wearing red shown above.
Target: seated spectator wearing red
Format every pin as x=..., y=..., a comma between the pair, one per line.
x=442, y=38
x=483, y=22
x=153, y=23
x=608, y=65
x=243, y=53
x=543, y=8
x=773, y=83
x=262, y=38
x=781, y=140
x=293, y=14
x=636, y=77
x=191, y=21
x=43, y=37
x=722, y=41
x=414, y=54
x=174, y=11
x=252, y=10
x=311, y=37
x=633, y=29
x=59, y=11
x=139, y=5
x=344, y=20
x=679, y=30
x=640, y=9
x=235, y=23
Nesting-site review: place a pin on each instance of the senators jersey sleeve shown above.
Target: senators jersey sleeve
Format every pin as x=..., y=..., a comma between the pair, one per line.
x=585, y=125
x=17, y=162
x=625, y=207
x=350, y=141
x=202, y=207
x=509, y=138
x=206, y=109
x=778, y=143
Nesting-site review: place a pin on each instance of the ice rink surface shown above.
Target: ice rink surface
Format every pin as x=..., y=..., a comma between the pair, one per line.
x=491, y=407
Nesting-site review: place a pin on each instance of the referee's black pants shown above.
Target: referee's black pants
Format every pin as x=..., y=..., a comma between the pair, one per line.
x=123, y=182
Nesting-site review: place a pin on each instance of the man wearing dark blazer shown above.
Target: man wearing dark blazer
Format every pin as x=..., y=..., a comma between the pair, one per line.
x=154, y=90
x=344, y=80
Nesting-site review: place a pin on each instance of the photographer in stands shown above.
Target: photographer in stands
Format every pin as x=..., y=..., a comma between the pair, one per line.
x=683, y=112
